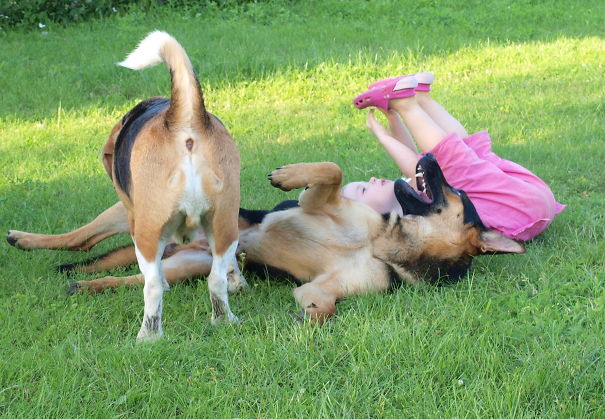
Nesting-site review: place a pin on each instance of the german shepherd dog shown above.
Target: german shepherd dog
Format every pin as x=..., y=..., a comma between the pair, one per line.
x=332, y=246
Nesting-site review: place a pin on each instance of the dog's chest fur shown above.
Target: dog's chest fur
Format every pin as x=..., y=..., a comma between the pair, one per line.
x=309, y=245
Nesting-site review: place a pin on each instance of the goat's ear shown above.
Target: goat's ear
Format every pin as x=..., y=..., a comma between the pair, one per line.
x=492, y=242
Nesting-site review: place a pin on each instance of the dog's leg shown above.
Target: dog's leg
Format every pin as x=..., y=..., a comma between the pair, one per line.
x=222, y=234
x=318, y=298
x=149, y=247
x=97, y=286
x=123, y=256
x=236, y=281
x=179, y=267
x=320, y=180
x=113, y=220
x=223, y=267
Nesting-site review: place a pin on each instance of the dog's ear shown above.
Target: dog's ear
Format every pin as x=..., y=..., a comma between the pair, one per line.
x=492, y=242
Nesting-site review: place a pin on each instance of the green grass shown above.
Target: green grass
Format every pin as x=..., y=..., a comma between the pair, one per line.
x=521, y=336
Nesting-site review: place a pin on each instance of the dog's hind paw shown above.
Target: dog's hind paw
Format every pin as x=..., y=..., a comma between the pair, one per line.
x=74, y=288
x=12, y=237
x=236, y=283
x=149, y=336
x=11, y=240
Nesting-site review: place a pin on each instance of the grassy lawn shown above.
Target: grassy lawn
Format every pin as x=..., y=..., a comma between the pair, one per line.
x=520, y=336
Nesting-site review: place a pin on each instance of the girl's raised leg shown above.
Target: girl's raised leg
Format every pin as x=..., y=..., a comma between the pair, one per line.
x=423, y=128
x=442, y=117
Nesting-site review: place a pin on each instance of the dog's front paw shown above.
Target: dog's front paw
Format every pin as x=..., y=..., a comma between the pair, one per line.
x=287, y=177
x=311, y=315
x=228, y=318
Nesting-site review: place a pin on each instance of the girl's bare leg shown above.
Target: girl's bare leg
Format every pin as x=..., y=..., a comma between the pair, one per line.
x=404, y=157
x=423, y=128
x=442, y=117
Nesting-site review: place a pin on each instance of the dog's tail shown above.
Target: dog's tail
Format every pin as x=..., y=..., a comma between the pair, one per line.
x=187, y=102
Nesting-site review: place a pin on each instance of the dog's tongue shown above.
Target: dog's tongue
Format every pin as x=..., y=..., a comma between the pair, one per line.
x=424, y=196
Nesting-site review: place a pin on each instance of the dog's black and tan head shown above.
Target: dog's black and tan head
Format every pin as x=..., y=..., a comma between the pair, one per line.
x=442, y=233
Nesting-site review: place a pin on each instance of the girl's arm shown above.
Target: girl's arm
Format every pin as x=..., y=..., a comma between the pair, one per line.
x=404, y=157
x=399, y=131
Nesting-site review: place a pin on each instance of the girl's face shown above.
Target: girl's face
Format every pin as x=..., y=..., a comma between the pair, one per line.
x=377, y=193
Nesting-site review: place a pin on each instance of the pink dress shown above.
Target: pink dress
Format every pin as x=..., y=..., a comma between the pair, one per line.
x=508, y=197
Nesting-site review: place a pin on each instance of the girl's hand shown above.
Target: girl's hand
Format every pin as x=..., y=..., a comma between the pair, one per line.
x=375, y=127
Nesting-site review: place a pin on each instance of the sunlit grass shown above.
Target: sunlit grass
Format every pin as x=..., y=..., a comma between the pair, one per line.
x=521, y=336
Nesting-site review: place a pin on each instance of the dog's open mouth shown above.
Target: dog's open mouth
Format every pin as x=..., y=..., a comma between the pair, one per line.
x=422, y=186
x=429, y=188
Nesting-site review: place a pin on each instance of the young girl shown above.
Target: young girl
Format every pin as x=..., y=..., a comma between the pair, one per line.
x=509, y=198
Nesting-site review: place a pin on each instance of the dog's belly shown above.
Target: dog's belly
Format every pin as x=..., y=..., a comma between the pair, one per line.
x=308, y=247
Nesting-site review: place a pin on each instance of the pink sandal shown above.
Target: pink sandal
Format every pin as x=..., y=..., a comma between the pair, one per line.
x=379, y=96
x=424, y=81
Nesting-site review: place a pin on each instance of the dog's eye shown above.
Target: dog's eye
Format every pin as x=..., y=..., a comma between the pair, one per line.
x=363, y=191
